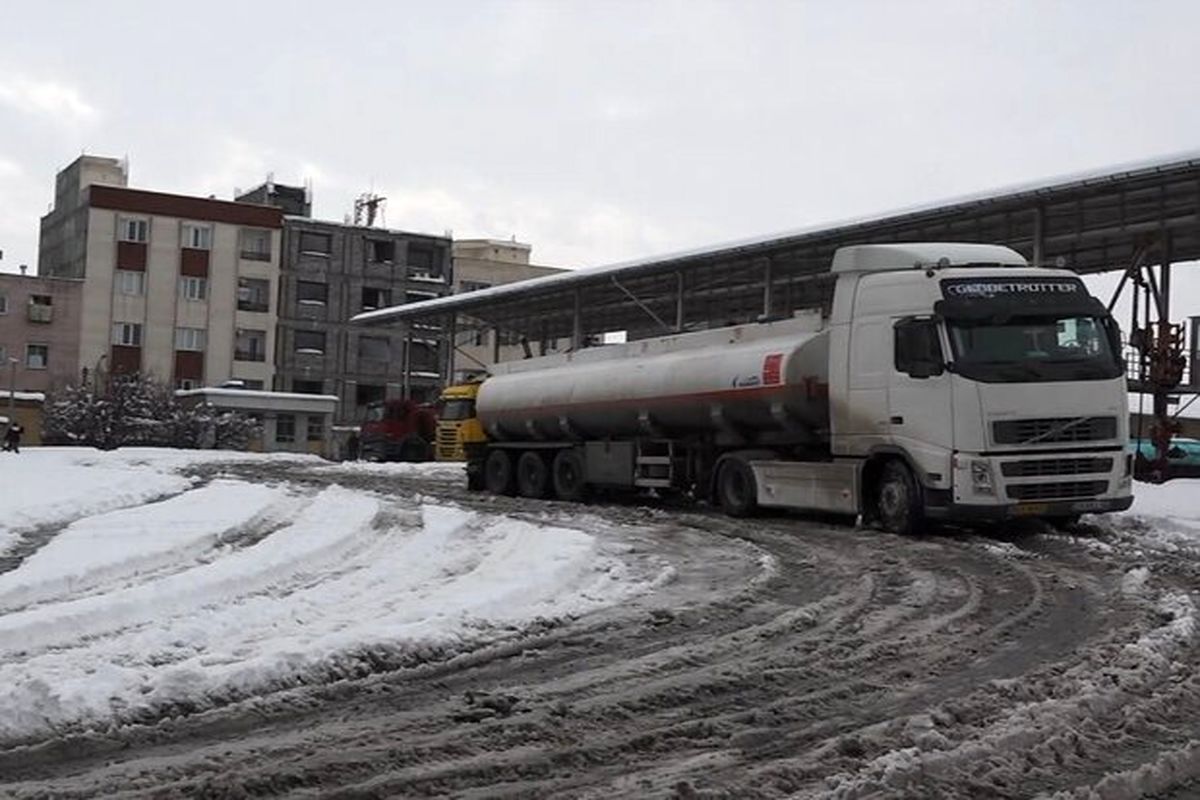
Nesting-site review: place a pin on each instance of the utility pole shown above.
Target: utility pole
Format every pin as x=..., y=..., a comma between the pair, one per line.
x=12, y=391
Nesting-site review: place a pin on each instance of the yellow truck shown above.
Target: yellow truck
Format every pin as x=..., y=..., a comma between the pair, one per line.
x=457, y=424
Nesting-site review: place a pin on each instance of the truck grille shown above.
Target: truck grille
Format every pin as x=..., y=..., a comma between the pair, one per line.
x=1054, y=430
x=1065, y=490
x=1054, y=466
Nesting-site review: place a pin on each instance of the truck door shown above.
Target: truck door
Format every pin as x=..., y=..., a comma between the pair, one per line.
x=920, y=410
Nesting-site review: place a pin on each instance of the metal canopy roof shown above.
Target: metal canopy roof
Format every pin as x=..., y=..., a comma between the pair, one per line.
x=1092, y=222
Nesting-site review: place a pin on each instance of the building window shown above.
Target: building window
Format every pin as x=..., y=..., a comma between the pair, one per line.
x=127, y=334
x=424, y=356
x=250, y=345
x=373, y=348
x=310, y=342
x=3, y=356
x=311, y=293
x=3, y=304
x=193, y=288
x=367, y=393
x=131, y=282
x=40, y=308
x=190, y=339
x=37, y=356
x=307, y=387
x=256, y=244
x=381, y=251
x=316, y=429
x=132, y=229
x=196, y=237
x=317, y=243
x=254, y=294
x=285, y=427
x=420, y=257
x=375, y=298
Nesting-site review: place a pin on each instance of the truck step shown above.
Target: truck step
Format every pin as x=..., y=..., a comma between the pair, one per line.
x=655, y=460
x=652, y=483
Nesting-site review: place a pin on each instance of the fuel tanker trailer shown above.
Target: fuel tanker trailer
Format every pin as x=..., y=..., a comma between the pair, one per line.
x=948, y=381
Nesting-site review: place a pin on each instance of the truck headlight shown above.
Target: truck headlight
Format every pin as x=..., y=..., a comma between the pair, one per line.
x=981, y=478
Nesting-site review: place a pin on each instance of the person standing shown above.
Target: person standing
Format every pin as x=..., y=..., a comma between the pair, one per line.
x=12, y=438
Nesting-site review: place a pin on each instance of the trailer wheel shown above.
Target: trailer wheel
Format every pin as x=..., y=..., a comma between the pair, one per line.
x=533, y=476
x=498, y=473
x=568, y=475
x=736, y=489
x=898, y=503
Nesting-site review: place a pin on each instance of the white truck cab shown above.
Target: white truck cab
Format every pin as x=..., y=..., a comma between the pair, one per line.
x=999, y=385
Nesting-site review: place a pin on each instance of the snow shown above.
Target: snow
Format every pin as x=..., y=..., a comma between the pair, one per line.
x=165, y=592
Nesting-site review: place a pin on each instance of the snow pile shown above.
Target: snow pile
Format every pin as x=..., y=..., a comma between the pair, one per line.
x=232, y=590
x=448, y=471
x=47, y=487
x=104, y=548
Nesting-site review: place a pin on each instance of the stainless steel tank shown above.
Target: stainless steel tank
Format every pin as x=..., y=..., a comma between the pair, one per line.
x=750, y=378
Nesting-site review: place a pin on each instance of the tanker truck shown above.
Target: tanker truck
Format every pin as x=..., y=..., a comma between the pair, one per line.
x=943, y=381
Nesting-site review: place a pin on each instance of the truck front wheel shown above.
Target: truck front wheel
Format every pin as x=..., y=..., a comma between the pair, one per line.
x=533, y=477
x=898, y=500
x=736, y=489
x=498, y=473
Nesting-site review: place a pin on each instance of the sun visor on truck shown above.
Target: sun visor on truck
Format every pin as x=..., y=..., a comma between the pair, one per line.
x=992, y=298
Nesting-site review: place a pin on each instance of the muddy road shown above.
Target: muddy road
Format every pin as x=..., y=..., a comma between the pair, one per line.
x=784, y=658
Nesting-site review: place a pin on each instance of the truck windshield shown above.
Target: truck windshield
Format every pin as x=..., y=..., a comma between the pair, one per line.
x=375, y=413
x=1034, y=348
x=458, y=409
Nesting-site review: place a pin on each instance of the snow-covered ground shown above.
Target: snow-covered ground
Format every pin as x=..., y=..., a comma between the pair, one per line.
x=142, y=589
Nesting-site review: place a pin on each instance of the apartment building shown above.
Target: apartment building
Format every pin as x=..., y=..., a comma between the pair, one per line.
x=39, y=331
x=179, y=287
x=479, y=264
x=331, y=271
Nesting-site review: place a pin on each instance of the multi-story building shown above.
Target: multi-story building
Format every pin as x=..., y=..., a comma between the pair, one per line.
x=175, y=286
x=39, y=331
x=332, y=271
x=479, y=264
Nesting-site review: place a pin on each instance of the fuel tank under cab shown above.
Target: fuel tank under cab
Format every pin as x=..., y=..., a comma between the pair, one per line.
x=767, y=376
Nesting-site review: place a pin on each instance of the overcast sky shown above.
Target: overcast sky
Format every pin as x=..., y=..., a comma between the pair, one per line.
x=597, y=131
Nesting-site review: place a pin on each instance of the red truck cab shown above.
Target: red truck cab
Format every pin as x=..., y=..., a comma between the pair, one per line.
x=398, y=430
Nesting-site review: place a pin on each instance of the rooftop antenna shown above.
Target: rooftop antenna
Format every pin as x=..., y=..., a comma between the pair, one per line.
x=366, y=207
x=270, y=183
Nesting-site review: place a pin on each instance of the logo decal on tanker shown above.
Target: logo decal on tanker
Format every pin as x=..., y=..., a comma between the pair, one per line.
x=772, y=368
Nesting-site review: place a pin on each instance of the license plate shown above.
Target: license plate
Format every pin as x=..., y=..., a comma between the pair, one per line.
x=1088, y=505
x=1030, y=509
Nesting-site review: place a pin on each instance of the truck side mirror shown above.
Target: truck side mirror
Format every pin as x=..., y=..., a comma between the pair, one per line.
x=924, y=369
x=918, y=351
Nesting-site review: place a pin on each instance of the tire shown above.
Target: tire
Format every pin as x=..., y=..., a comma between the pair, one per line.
x=475, y=478
x=498, y=477
x=898, y=503
x=569, y=476
x=533, y=475
x=1065, y=523
x=737, y=491
x=414, y=449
